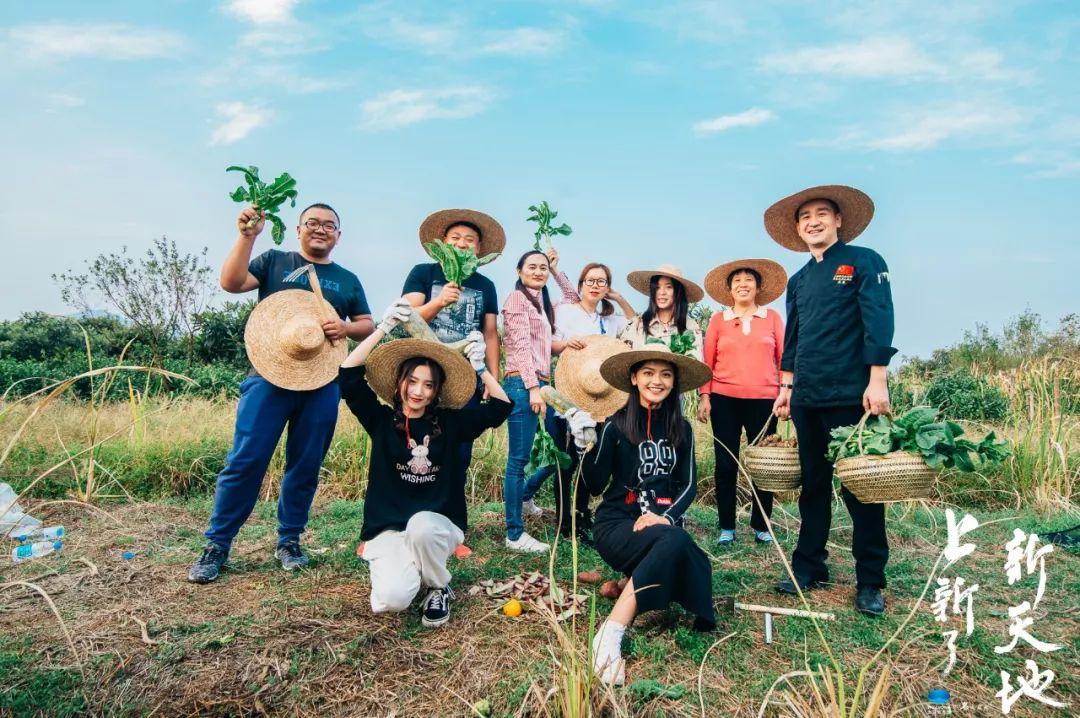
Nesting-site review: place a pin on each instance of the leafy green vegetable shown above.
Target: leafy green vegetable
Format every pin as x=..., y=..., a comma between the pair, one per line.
x=677, y=343
x=542, y=214
x=457, y=264
x=266, y=198
x=544, y=452
x=918, y=431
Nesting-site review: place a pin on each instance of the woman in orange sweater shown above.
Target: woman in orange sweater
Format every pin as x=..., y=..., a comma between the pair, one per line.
x=742, y=347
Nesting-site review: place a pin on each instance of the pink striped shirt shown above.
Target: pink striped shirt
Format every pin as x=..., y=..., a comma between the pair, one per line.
x=527, y=333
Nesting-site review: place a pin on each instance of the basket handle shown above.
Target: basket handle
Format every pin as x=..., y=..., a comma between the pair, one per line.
x=858, y=430
x=760, y=434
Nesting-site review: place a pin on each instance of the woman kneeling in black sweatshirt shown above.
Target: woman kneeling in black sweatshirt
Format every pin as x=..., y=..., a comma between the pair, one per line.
x=643, y=463
x=414, y=509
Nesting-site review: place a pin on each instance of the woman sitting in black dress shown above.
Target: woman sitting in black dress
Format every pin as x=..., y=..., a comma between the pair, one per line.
x=643, y=463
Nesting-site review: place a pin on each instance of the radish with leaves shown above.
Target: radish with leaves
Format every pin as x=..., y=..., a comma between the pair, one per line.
x=457, y=264
x=543, y=215
x=267, y=198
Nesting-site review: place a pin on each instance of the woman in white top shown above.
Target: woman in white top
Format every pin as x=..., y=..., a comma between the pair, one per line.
x=592, y=313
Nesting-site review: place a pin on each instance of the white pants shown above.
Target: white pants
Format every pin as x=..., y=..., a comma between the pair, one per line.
x=402, y=561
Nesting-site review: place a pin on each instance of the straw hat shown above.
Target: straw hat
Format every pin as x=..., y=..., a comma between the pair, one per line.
x=616, y=369
x=577, y=376
x=773, y=280
x=856, y=209
x=384, y=361
x=492, y=235
x=286, y=344
x=640, y=279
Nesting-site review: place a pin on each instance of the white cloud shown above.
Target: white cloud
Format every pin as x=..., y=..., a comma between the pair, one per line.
x=455, y=37
x=237, y=121
x=873, y=57
x=927, y=129
x=749, y=118
x=107, y=41
x=58, y=101
x=399, y=108
x=262, y=11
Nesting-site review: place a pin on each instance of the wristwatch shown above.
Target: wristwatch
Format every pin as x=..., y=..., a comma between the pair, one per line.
x=787, y=386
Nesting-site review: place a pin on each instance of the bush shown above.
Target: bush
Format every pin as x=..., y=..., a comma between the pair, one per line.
x=961, y=395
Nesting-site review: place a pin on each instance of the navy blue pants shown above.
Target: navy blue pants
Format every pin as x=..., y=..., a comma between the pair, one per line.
x=261, y=416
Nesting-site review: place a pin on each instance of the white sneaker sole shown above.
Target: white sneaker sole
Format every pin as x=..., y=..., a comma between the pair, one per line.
x=522, y=549
x=434, y=624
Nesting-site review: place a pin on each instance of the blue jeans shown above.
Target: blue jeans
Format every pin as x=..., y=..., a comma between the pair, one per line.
x=521, y=428
x=261, y=416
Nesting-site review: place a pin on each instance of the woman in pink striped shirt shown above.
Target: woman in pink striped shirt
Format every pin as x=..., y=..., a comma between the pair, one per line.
x=742, y=347
x=528, y=324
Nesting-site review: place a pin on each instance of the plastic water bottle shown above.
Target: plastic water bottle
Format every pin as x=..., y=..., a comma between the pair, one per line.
x=12, y=518
x=51, y=533
x=29, y=551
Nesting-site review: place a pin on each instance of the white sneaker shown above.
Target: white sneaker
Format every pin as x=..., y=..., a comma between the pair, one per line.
x=527, y=544
x=608, y=663
x=529, y=508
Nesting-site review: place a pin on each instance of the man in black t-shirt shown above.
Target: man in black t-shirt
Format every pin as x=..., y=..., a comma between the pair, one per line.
x=264, y=409
x=453, y=311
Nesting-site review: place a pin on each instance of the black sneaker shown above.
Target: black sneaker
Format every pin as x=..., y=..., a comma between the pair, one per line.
x=437, y=606
x=292, y=557
x=870, y=601
x=584, y=536
x=787, y=586
x=209, y=565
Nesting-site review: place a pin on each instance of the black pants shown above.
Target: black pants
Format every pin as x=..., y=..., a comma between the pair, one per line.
x=564, y=487
x=729, y=416
x=869, y=545
x=665, y=563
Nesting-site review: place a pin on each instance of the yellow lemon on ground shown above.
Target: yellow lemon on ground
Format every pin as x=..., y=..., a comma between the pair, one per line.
x=512, y=608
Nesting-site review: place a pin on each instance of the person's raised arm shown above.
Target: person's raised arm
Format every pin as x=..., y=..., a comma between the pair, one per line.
x=235, y=277
x=394, y=315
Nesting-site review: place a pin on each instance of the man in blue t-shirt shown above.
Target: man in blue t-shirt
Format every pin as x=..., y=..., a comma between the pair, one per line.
x=264, y=409
x=453, y=311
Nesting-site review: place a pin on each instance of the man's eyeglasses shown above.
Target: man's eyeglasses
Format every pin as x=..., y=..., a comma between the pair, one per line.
x=314, y=224
x=595, y=282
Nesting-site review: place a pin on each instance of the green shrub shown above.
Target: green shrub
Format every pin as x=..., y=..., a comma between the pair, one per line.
x=961, y=395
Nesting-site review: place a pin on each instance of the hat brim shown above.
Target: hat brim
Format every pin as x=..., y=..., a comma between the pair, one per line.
x=492, y=234
x=856, y=211
x=640, y=280
x=573, y=373
x=385, y=360
x=773, y=280
x=616, y=369
x=265, y=352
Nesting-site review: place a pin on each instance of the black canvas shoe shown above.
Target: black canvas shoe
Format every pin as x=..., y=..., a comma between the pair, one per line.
x=209, y=565
x=437, y=606
x=870, y=601
x=787, y=586
x=292, y=557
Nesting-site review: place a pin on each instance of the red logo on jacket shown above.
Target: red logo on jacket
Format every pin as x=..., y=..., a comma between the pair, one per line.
x=844, y=274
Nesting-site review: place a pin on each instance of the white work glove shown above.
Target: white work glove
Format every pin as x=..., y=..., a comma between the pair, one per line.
x=582, y=427
x=476, y=352
x=396, y=314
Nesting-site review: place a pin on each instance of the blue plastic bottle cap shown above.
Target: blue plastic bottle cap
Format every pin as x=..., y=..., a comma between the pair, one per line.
x=128, y=555
x=58, y=545
x=938, y=696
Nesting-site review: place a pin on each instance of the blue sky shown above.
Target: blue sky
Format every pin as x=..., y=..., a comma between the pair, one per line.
x=660, y=131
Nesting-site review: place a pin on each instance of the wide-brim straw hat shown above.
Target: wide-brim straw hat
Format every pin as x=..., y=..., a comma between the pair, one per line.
x=578, y=378
x=773, y=280
x=640, y=279
x=285, y=342
x=616, y=369
x=856, y=211
x=383, y=364
x=492, y=234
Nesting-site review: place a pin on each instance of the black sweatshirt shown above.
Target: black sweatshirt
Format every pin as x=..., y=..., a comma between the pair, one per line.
x=839, y=324
x=418, y=473
x=647, y=476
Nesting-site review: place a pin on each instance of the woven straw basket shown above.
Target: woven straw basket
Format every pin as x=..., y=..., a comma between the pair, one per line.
x=898, y=476
x=882, y=478
x=772, y=468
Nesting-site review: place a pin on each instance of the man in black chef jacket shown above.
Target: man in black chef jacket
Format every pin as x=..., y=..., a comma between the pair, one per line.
x=837, y=348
